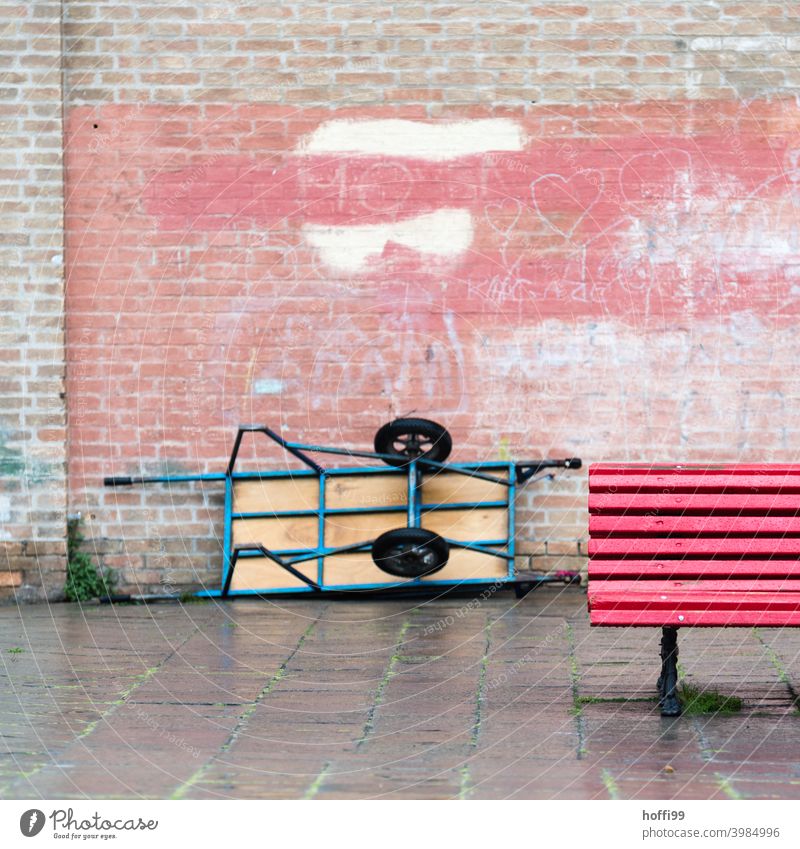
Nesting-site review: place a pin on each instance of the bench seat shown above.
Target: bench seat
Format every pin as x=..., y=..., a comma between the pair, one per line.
x=677, y=546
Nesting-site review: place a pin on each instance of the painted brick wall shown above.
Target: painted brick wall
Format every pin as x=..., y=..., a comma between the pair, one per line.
x=558, y=228
x=32, y=414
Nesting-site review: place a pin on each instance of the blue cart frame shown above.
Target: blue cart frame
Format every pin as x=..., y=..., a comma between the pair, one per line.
x=506, y=473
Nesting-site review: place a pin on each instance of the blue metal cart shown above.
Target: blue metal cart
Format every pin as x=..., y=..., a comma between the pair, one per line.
x=412, y=522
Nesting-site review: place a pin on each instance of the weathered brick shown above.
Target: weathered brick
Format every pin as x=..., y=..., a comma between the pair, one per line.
x=9, y=575
x=181, y=321
x=33, y=459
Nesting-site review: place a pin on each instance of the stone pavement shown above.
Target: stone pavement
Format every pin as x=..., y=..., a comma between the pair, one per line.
x=458, y=697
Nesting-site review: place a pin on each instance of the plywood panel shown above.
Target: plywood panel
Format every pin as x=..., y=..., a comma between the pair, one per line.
x=359, y=569
x=451, y=488
x=363, y=491
x=467, y=525
x=277, y=534
x=463, y=565
x=260, y=573
x=360, y=527
x=354, y=569
x=271, y=494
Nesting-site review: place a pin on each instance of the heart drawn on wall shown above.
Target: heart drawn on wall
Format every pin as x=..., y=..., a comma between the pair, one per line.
x=503, y=216
x=650, y=179
x=564, y=202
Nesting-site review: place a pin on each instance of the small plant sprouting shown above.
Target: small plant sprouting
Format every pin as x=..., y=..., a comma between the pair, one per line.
x=15, y=650
x=84, y=580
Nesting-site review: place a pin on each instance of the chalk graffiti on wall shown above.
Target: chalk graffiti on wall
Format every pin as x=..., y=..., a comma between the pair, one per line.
x=524, y=283
x=543, y=229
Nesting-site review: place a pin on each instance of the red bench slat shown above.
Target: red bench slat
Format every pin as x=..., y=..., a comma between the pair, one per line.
x=701, y=526
x=703, y=505
x=661, y=569
x=693, y=600
x=693, y=468
x=696, y=585
x=697, y=618
x=667, y=484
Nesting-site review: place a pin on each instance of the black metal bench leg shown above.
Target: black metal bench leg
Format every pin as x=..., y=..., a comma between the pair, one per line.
x=668, y=680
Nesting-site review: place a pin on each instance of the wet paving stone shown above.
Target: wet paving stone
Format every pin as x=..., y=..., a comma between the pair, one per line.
x=464, y=697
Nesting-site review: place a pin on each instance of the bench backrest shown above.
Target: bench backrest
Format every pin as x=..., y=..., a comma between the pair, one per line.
x=694, y=545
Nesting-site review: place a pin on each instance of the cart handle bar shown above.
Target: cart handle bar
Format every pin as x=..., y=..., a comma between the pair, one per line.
x=525, y=471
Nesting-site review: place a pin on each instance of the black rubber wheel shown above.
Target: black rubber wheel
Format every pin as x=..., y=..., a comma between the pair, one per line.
x=412, y=439
x=410, y=552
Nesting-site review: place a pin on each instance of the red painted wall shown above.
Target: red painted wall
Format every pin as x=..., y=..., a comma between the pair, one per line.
x=623, y=287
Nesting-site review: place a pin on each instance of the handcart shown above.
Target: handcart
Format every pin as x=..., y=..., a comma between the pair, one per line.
x=414, y=521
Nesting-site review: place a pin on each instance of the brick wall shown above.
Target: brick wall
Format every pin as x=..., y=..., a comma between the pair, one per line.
x=558, y=228
x=32, y=415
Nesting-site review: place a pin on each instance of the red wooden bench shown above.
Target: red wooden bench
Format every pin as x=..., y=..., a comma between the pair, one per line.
x=679, y=546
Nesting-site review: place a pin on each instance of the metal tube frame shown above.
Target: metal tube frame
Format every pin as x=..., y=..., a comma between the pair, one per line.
x=511, y=475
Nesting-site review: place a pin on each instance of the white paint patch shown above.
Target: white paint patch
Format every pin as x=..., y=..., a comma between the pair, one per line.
x=413, y=139
x=444, y=233
x=267, y=386
x=5, y=511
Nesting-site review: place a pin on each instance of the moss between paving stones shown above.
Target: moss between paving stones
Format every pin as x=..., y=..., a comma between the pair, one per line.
x=620, y=700
x=696, y=701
